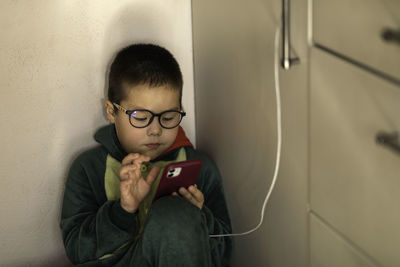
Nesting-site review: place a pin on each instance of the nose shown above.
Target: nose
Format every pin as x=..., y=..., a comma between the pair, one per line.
x=154, y=128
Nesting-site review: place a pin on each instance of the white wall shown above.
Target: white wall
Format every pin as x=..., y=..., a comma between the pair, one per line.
x=54, y=55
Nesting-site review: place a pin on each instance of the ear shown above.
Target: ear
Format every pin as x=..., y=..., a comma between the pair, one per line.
x=110, y=111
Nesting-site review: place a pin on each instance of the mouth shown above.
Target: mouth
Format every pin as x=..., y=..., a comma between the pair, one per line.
x=153, y=145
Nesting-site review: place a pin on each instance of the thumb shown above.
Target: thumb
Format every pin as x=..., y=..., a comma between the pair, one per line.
x=151, y=177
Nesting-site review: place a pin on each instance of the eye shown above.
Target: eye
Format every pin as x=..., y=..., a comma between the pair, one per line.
x=140, y=119
x=167, y=118
x=140, y=115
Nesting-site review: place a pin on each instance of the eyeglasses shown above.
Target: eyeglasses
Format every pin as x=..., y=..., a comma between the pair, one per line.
x=141, y=118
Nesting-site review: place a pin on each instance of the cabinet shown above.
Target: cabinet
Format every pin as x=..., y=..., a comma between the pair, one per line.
x=354, y=29
x=354, y=95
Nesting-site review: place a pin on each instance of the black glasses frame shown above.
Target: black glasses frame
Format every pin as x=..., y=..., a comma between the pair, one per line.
x=129, y=113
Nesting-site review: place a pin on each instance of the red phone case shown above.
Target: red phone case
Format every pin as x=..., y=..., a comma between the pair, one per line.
x=178, y=174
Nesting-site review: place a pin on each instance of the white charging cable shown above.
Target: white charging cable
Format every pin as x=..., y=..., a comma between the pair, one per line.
x=279, y=142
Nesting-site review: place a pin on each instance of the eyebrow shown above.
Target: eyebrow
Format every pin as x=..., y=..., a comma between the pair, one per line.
x=174, y=108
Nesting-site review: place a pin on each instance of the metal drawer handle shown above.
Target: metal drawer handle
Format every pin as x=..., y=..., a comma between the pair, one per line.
x=390, y=140
x=390, y=35
x=287, y=61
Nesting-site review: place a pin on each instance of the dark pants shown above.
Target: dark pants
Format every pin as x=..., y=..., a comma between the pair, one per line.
x=175, y=234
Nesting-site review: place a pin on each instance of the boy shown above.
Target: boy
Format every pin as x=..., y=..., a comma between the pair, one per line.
x=108, y=215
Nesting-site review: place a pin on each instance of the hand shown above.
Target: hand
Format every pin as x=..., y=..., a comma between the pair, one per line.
x=133, y=187
x=192, y=194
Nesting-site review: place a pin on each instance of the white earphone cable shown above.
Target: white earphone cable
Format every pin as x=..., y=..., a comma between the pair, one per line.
x=279, y=137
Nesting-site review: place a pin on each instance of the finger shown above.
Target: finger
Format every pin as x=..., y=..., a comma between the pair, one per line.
x=135, y=158
x=196, y=193
x=175, y=194
x=151, y=177
x=129, y=158
x=128, y=171
x=130, y=167
x=186, y=194
x=124, y=174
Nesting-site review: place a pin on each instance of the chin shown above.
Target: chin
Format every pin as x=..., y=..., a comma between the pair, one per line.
x=153, y=154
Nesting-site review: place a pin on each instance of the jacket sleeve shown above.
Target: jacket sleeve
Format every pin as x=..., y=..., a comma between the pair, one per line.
x=92, y=228
x=216, y=212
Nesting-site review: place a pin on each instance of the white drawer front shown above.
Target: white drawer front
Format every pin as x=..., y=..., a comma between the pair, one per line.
x=354, y=182
x=328, y=249
x=353, y=28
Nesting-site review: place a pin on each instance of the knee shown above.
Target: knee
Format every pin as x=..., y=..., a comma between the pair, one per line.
x=173, y=214
x=175, y=233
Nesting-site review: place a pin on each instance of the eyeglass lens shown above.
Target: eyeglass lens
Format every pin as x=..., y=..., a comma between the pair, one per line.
x=142, y=118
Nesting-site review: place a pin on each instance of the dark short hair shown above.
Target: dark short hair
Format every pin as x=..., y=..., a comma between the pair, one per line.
x=140, y=64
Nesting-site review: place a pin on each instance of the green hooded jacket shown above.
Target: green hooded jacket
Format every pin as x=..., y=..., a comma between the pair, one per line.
x=96, y=230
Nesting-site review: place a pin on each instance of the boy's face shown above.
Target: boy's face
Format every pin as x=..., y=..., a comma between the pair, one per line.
x=152, y=140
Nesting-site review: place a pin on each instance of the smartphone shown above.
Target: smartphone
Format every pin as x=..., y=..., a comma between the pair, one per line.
x=178, y=174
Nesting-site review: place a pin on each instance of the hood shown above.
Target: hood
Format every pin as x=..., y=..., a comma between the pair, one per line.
x=107, y=136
